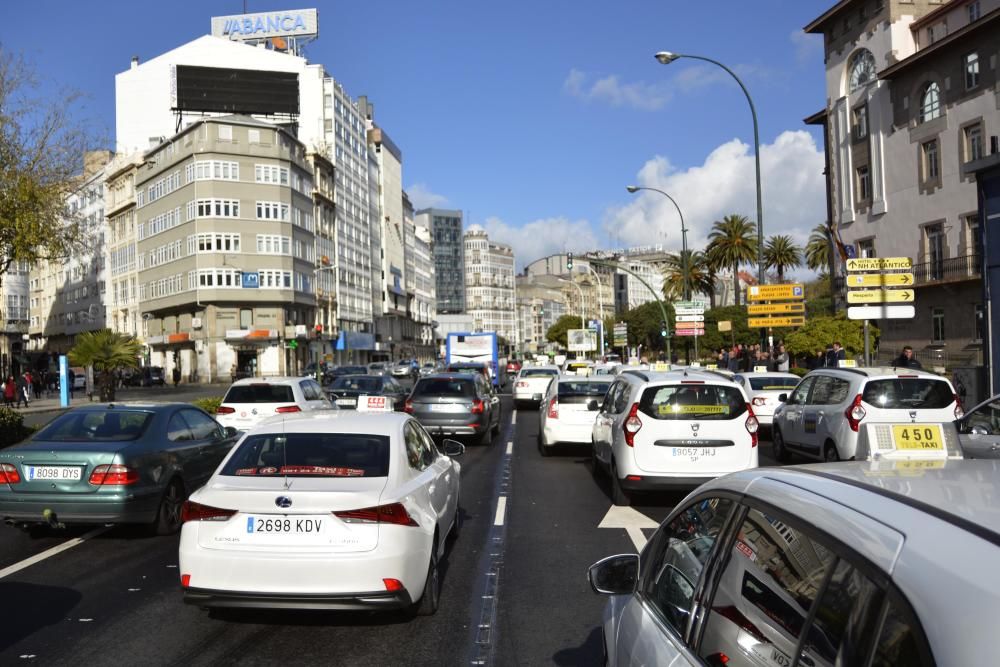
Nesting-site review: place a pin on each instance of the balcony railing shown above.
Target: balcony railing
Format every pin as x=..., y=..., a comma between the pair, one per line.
x=953, y=269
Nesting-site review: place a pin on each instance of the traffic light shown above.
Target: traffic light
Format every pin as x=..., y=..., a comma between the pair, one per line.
x=319, y=330
x=569, y=261
x=663, y=328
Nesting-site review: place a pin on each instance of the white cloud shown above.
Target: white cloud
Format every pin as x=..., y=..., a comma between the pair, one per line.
x=793, y=199
x=541, y=238
x=637, y=94
x=807, y=46
x=422, y=197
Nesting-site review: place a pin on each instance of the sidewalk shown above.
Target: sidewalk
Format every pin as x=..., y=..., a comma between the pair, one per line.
x=166, y=394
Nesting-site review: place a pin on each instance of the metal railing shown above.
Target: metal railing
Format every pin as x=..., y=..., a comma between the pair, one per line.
x=967, y=267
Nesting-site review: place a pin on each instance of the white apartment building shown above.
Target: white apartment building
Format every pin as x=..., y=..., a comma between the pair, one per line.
x=121, y=300
x=67, y=296
x=596, y=282
x=541, y=301
x=14, y=318
x=911, y=98
x=418, y=262
x=489, y=284
x=630, y=292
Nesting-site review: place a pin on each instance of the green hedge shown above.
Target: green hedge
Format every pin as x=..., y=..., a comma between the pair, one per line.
x=209, y=404
x=12, y=428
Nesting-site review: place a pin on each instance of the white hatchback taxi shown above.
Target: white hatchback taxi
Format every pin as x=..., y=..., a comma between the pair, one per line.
x=763, y=390
x=341, y=511
x=569, y=410
x=251, y=400
x=532, y=382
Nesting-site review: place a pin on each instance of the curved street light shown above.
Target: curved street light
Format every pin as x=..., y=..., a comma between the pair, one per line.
x=665, y=58
x=684, y=243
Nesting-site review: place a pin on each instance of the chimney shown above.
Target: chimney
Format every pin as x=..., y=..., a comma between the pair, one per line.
x=135, y=62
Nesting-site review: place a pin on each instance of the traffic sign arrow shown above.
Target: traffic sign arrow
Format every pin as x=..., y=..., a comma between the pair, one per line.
x=879, y=279
x=878, y=263
x=880, y=296
x=769, y=292
x=631, y=520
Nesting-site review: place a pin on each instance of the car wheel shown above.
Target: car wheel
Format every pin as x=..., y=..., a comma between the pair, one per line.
x=456, y=526
x=830, y=454
x=619, y=496
x=778, y=444
x=427, y=605
x=596, y=468
x=168, y=515
x=542, y=449
x=486, y=439
x=496, y=428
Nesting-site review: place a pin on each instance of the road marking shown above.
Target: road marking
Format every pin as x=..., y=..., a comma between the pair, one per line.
x=501, y=511
x=49, y=553
x=631, y=520
x=510, y=447
x=513, y=418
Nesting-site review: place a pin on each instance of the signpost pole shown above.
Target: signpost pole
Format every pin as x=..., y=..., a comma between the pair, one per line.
x=868, y=350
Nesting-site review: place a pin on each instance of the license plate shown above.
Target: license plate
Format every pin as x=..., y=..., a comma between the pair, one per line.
x=347, y=401
x=447, y=408
x=920, y=437
x=693, y=451
x=285, y=525
x=54, y=473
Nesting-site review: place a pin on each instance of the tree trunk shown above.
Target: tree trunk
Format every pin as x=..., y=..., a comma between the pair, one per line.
x=736, y=284
x=106, y=387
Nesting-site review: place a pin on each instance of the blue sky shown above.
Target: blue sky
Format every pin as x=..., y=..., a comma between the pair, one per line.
x=532, y=117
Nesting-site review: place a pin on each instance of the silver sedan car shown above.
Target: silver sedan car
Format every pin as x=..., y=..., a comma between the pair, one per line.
x=859, y=563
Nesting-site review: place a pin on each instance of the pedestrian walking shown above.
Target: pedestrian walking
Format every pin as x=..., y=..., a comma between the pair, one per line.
x=835, y=354
x=9, y=392
x=71, y=379
x=177, y=375
x=22, y=391
x=907, y=360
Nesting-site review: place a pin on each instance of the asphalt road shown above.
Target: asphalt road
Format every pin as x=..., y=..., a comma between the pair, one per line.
x=514, y=591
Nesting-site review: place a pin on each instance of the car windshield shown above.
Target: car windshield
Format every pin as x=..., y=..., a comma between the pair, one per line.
x=97, y=425
x=357, y=383
x=310, y=455
x=259, y=392
x=581, y=392
x=908, y=394
x=693, y=401
x=767, y=383
x=537, y=372
x=377, y=366
x=352, y=370
x=445, y=387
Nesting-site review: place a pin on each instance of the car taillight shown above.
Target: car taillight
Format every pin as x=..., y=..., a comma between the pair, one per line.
x=192, y=511
x=394, y=513
x=553, y=412
x=522, y=383
x=9, y=474
x=408, y=406
x=759, y=400
x=224, y=410
x=632, y=425
x=477, y=407
x=855, y=413
x=959, y=411
x=113, y=475
x=393, y=585
x=185, y=580
x=288, y=408
x=753, y=425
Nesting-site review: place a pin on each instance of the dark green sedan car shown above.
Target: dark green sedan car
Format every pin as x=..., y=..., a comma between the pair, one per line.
x=112, y=463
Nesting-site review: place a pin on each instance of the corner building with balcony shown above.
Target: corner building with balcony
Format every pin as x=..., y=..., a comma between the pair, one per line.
x=489, y=285
x=911, y=98
x=226, y=242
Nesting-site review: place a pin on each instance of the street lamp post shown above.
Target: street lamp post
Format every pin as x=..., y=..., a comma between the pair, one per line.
x=665, y=58
x=600, y=304
x=579, y=289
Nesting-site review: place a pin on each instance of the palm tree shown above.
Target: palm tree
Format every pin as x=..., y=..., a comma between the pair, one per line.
x=818, y=249
x=781, y=253
x=733, y=241
x=700, y=276
x=107, y=351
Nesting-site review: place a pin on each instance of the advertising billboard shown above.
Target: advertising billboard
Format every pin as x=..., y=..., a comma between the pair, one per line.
x=581, y=340
x=267, y=25
x=239, y=91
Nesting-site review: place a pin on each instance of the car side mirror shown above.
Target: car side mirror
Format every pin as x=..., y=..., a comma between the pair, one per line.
x=614, y=575
x=452, y=447
x=231, y=432
x=593, y=405
x=782, y=398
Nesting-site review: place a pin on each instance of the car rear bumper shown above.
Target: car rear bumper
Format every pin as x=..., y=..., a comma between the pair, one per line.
x=204, y=597
x=569, y=434
x=658, y=483
x=454, y=429
x=94, y=509
x=525, y=395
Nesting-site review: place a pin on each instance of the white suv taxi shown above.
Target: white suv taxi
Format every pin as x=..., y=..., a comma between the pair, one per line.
x=821, y=418
x=677, y=429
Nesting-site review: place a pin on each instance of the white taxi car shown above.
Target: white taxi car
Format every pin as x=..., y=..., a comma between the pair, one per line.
x=763, y=390
x=532, y=382
x=660, y=431
x=251, y=400
x=334, y=511
x=569, y=410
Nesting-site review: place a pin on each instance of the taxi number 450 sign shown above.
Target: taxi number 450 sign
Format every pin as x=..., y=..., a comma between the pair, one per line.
x=917, y=436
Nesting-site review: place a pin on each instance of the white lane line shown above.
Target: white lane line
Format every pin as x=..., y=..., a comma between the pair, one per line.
x=49, y=553
x=513, y=418
x=501, y=511
x=510, y=447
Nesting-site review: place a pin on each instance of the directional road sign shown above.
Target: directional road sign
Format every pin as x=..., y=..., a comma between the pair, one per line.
x=879, y=263
x=689, y=311
x=790, y=321
x=690, y=332
x=775, y=308
x=775, y=292
x=880, y=296
x=689, y=325
x=880, y=312
x=880, y=280
x=690, y=304
x=690, y=318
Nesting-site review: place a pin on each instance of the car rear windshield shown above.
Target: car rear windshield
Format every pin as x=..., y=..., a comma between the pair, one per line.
x=693, y=401
x=356, y=383
x=765, y=383
x=97, y=426
x=445, y=387
x=259, y=392
x=310, y=455
x=908, y=394
x=352, y=370
x=537, y=372
x=582, y=392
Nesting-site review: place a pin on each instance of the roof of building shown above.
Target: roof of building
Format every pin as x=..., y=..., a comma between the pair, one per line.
x=816, y=25
x=986, y=22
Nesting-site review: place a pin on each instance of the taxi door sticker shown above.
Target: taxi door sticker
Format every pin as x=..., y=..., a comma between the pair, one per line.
x=693, y=409
x=810, y=422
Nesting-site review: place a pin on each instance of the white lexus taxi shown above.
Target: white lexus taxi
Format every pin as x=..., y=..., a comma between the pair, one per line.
x=341, y=511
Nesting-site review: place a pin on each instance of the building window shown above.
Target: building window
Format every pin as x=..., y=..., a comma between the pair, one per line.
x=937, y=325
x=979, y=322
x=226, y=132
x=864, y=184
x=931, y=165
x=971, y=70
x=974, y=11
x=974, y=240
x=866, y=248
x=860, y=118
x=862, y=69
x=935, y=250
x=930, y=35
x=930, y=103
x=973, y=142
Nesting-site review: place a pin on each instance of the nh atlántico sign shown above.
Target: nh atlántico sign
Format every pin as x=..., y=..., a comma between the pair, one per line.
x=250, y=27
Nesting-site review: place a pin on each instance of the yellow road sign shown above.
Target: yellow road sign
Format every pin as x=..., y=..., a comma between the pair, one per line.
x=880, y=296
x=879, y=263
x=880, y=280
x=768, y=292
x=775, y=308
x=791, y=321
